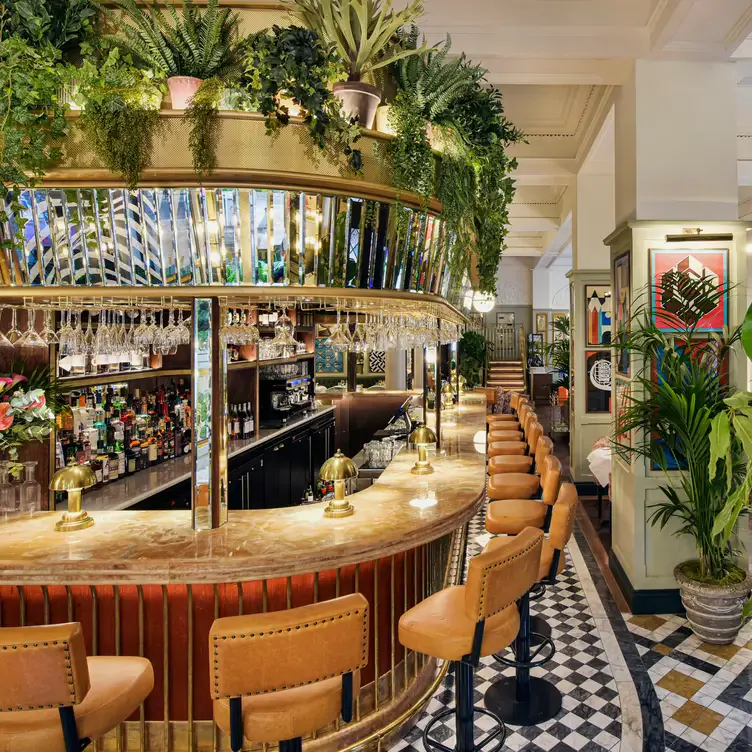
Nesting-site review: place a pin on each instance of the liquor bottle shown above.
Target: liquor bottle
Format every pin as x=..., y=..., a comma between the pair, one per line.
x=247, y=421
x=251, y=423
x=235, y=423
x=114, y=463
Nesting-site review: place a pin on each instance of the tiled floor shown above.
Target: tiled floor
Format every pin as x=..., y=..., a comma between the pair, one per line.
x=705, y=691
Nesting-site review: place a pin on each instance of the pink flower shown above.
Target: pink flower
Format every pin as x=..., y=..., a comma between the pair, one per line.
x=39, y=402
x=6, y=420
x=7, y=382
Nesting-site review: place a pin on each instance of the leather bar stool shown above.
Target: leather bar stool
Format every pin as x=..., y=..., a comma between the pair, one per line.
x=534, y=432
x=55, y=699
x=461, y=624
x=511, y=517
x=279, y=676
x=517, y=447
x=510, y=463
x=523, y=700
x=509, y=486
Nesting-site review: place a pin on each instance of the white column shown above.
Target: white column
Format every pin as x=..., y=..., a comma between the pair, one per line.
x=396, y=374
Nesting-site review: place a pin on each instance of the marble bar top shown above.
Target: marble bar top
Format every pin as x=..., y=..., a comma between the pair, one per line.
x=398, y=512
x=128, y=491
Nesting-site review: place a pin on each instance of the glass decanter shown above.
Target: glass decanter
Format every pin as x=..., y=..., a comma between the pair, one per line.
x=7, y=490
x=30, y=492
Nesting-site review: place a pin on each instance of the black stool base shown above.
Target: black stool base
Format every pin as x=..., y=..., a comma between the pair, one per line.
x=499, y=734
x=544, y=703
x=538, y=626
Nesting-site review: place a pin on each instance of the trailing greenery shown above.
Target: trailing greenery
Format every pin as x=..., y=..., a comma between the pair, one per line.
x=413, y=162
x=293, y=63
x=202, y=116
x=558, y=352
x=472, y=352
x=365, y=34
x=190, y=43
x=679, y=392
x=120, y=114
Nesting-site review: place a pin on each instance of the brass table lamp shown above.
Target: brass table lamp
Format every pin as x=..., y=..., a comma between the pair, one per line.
x=447, y=395
x=422, y=437
x=338, y=469
x=73, y=478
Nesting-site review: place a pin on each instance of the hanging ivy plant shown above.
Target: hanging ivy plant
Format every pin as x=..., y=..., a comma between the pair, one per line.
x=293, y=63
x=202, y=116
x=120, y=114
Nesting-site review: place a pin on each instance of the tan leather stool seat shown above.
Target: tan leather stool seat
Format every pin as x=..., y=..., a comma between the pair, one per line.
x=513, y=486
x=439, y=627
x=505, y=463
x=513, y=516
x=287, y=714
x=505, y=436
x=493, y=418
x=497, y=448
x=118, y=686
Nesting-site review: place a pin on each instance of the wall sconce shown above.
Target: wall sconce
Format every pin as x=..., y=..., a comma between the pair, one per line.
x=422, y=437
x=338, y=469
x=73, y=479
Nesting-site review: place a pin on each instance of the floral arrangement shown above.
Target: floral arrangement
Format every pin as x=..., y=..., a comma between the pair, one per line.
x=24, y=416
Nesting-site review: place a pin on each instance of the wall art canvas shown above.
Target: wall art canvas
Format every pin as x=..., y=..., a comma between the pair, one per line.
x=598, y=306
x=541, y=325
x=557, y=335
x=377, y=361
x=698, y=264
x=622, y=302
x=327, y=360
x=598, y=372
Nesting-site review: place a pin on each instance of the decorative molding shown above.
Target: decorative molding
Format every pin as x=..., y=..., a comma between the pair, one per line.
x=590, y=96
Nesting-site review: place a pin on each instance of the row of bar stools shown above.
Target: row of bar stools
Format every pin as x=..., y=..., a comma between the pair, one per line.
x=523, y=463
x=524, y=700
x=55, y=699
x=276, y=677
x=513, y=443
x=464, y=623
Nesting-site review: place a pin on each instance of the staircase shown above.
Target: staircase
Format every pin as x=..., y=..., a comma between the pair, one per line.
x=506, y=373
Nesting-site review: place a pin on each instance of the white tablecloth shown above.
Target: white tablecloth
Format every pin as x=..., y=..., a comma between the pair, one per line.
x=600, y=465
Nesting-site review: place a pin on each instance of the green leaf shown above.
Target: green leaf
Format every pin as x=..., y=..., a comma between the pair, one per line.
x=747, y=610
x=747, y=333
x=743, y=431
x=738, y=401
x=720, y=440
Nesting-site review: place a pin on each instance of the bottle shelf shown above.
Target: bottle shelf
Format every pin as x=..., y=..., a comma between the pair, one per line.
x=241, y=364
x=122, y=377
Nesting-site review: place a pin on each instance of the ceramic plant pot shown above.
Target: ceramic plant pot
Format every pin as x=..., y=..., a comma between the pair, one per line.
x=182, y=89
x=714, y=611
x=382, y=120
x=359, y=100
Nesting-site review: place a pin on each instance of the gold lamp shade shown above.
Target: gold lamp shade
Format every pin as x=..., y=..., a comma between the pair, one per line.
x=73, y=478
x=422, y=437
x=338, y=469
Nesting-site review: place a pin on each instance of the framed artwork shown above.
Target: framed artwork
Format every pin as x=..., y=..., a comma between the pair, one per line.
x=598, y=373
x=598, y=306
x=557, y=335
x=622, y=302
x=541, y=325
x=327, y=361
x=698, y=264
x=534, y=350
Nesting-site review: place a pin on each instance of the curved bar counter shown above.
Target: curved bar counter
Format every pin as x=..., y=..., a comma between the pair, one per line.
x=145, y=583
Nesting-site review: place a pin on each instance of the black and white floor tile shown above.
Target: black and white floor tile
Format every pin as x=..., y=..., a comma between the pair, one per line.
x=602, y=709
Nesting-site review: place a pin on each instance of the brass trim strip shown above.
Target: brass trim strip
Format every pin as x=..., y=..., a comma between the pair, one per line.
x=69, y=598
x=94, y=620
x=120, y=726
x=189, y=606
x=46, y=599
x=22, y=605
x=376, y=634
x=166, y=667
x=141, y=710
x=392, y=617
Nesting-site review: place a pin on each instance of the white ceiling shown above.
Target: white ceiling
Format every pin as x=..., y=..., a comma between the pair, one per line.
x=557, y=63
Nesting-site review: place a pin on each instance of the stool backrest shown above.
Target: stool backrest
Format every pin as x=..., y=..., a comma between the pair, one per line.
x=543, y=449
x=262, y=653
x=515, y=400
x=562, y=517
x=533, y=436
x=550, y=479
x=522, y=414
x=499, y=577
x=530, y=419
x=42, y=667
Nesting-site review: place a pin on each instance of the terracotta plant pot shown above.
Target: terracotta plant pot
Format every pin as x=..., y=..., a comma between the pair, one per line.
x=714, y=611
x=182, y=89
x=359, y=100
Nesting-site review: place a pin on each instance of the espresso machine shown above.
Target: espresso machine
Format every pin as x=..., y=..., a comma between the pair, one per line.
x=283, y=398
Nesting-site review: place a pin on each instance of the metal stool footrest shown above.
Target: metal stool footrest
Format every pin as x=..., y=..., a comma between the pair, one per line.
x=537, y=591
x=499, y=733
x=541, y=641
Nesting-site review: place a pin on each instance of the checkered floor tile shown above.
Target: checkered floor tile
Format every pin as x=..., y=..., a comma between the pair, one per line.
x=705, y=690
x=590, y=719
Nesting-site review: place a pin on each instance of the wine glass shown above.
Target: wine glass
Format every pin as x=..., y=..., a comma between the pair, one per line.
x=30, y=337
x=15, y=333
x=5, y=343
x=48, y=333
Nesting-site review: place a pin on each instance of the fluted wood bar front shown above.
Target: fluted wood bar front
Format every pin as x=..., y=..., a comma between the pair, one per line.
x=146, y=583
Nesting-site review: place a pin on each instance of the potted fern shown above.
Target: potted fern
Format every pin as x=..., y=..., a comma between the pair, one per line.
x=680, y=409
x=366, y=35
x=187, y=48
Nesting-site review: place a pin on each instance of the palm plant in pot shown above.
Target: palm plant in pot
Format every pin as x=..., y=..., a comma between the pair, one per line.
x=366, y=35
x=679, y=396
x=187, y=48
